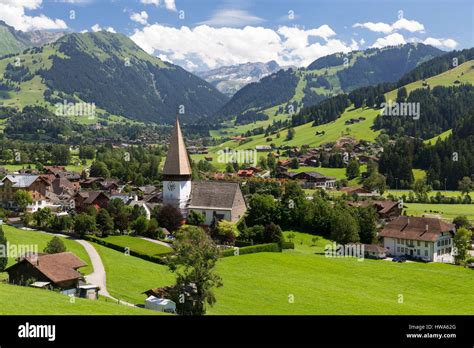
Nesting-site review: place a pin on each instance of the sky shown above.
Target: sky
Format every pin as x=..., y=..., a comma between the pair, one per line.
x=207, y=34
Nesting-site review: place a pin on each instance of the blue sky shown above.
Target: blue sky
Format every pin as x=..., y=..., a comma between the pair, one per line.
x=205, y=34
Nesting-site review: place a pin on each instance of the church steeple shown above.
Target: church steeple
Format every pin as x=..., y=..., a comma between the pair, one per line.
x=177, y=161
x=177, y=173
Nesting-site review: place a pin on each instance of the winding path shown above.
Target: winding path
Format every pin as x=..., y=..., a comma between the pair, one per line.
x=99, y=276
x=157, y=242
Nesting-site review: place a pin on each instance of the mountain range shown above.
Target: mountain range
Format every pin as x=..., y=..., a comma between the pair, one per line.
x=121, y=79
x=112, y=72
x=14, y=41
x=230, y=79
x=325, y=77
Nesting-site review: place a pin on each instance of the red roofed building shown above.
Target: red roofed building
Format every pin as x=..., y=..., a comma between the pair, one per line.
x=419, y=237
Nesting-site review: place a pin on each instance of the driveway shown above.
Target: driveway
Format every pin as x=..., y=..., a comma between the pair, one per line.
x=157, y=242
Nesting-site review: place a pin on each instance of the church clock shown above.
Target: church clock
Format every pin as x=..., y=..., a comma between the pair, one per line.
x=171, y=185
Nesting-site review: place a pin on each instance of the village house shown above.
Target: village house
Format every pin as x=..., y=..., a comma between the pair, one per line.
x=419, y=237
x=84, y=199
x=34, y=184
x=386, y=210
x=58, y=270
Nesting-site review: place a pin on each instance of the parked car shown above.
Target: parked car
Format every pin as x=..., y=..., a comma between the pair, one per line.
x=399, y=259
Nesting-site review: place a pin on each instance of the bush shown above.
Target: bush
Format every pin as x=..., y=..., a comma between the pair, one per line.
x=169, y=217
x=259, y=248
x=55, y=246
x=287, y=245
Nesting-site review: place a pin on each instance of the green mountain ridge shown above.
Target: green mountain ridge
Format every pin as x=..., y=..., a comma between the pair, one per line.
x=327, y=76
x=14, y=41
x=112, y=72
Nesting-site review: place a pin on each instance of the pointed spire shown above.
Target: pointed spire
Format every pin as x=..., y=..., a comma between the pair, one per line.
x=177, y=161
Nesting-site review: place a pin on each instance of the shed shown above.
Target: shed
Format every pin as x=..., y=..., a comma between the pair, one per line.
x=160, y=304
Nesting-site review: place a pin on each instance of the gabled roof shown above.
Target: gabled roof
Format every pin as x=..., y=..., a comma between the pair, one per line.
x=177, y=161
x=416, y=228
x=213, y=194
x=21, y=181
x=56, y=267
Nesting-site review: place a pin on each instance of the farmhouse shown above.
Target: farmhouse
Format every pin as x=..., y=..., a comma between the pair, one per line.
x=34, y=184
x=386, y=210
x=419, y=237
x=218, y=200
x=60, y=270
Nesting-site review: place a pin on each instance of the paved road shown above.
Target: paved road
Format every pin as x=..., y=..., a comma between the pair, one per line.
x=98, y=277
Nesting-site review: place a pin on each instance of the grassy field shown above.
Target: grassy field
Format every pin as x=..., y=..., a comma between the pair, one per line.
x=400, y=193
x=263, y=283
x=138, y=245
x=20, y=300
x=447, y=211
x=128, y=277
x=17, y=236
x=464, y=73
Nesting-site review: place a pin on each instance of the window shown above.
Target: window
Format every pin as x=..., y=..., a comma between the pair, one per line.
x=418, y=243
x=398, y=249
x=426, y=252
x=426, y=244
x=418, y=252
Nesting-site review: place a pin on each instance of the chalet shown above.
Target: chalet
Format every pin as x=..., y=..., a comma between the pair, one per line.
x=359, y=191
x=245, y=173
x=92, y=183
x=59, y=270
x=54, y=169
x=419, y=237
x=86, y=199
x=109, y=185
x=34, y=184
x=315, y=180
x=386, y=210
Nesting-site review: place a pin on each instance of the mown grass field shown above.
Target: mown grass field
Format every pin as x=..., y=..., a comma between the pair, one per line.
x=264, y=283
x=139, y=245
x=16, y=236
x=21, y=300
x=447, y=211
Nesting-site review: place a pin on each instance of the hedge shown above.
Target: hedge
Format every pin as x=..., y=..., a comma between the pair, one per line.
x=287, y=245
x=155, y=259
x=259, y=248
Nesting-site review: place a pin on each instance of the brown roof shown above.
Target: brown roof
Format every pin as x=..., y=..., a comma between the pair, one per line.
x=57, y=267
x=92, y=196
x=216, y=194
x=416, y=228
x=177, y=161
x=382, y=207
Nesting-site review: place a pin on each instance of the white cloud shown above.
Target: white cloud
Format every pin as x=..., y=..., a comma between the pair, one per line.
x=232, y=18
x=394, y=39
x=141, y=17
x=377, y=27
x=13, y=13
x=150, y=2
x=402, y=24
x=169, y=4
x=449, y=44
x=207, y=47
x=96, y=27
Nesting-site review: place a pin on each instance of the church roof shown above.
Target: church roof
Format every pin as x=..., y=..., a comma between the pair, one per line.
x=213, y=194
x=177, y=161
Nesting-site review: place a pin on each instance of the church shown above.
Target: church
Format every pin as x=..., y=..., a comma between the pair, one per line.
x=220, y=200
